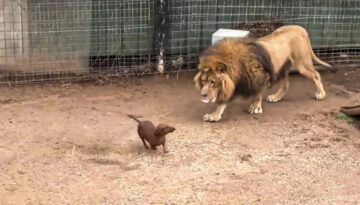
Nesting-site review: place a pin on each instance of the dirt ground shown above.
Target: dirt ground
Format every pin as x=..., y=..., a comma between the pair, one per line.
x=73, y=144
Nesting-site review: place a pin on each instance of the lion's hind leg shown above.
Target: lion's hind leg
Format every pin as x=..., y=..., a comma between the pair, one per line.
x=310, y=72
x=284, y=86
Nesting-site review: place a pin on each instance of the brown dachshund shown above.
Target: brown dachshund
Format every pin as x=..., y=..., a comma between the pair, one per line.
x=155, y=136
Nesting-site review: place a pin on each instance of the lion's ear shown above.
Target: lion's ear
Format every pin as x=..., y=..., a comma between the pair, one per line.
x=203, y=69
x=197, y=80
x=221, y=67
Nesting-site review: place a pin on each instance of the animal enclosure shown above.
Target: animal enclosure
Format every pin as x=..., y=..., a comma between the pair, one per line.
x=73, y=143
x=79, y=39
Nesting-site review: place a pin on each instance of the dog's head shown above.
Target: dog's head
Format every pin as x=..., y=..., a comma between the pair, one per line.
x=163, y=129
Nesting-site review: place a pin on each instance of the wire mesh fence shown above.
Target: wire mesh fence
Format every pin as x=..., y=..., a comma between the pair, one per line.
x=79, y=39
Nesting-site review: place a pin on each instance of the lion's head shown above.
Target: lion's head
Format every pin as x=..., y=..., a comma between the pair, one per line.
x=230, y=63
x=213, y=80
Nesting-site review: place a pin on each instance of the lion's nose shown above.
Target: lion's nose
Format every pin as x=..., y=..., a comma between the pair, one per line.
x=203, y=95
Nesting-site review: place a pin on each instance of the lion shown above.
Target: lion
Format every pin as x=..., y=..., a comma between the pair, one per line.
x=248, y=67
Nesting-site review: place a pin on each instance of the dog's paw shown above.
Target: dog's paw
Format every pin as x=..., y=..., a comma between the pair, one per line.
x=211, y=118
x=255, y=110
x=273, y=99
x=320, y=96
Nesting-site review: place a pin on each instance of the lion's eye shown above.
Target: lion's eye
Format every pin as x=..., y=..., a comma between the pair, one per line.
x=212, y=82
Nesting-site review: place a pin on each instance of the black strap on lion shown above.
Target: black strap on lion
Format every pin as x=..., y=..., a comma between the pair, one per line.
x=264, y=57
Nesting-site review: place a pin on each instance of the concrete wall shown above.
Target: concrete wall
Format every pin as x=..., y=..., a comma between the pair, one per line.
x=14, y=39
x=50, y=36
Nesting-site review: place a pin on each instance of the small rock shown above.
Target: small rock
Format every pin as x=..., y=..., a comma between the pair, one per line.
x=20, y=171
x=11, y=187
x=246, y=157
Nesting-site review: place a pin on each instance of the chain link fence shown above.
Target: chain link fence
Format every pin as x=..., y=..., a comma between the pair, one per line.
x=49, y=40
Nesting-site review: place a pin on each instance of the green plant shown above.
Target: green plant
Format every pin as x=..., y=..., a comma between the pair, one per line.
x=343, y=117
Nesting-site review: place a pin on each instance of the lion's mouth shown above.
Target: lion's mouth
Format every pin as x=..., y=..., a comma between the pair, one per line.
x=207, y=100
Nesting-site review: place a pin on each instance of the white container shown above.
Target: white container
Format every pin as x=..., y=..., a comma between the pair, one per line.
x=228, y=33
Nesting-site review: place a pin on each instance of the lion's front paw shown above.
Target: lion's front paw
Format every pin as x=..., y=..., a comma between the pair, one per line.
x=211, y=117
x=255, y=110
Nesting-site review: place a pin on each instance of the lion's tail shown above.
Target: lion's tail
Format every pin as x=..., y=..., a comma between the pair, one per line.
x=316, y=59
x=313, y=56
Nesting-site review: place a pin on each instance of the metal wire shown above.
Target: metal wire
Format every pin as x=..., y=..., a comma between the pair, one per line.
x=81, y=39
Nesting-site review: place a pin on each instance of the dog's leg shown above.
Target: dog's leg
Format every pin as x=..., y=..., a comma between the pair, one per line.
x=217, y=115
x=255, y=107
x=166, y=150
x=145, y=145
x=311, y=73
x=280, y=93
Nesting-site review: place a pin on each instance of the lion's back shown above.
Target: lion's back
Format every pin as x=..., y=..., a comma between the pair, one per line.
x=285, y=43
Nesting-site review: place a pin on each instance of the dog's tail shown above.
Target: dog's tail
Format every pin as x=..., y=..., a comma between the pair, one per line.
x=317, y=60
x=134, y=117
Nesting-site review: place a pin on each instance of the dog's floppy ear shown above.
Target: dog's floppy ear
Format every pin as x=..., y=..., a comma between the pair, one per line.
x=159, y=131
x=221, y=67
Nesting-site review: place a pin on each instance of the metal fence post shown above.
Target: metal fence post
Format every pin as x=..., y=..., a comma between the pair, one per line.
x=161, y=27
